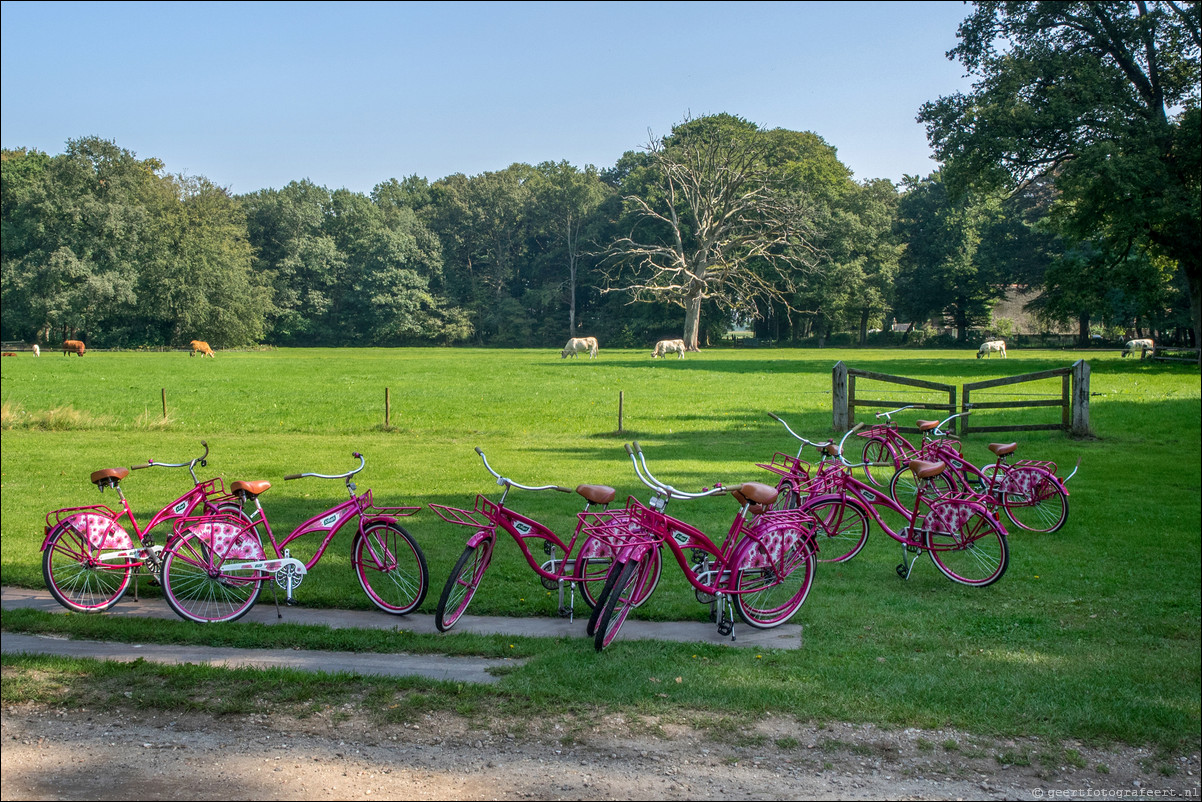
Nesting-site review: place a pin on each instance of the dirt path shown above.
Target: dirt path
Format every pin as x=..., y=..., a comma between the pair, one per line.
x=51, y=753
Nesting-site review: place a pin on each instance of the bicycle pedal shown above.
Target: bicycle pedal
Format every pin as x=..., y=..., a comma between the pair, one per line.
x=725, y=627
x=291, y=602
x=565, y=612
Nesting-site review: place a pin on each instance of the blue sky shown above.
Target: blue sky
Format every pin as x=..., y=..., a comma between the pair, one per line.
x=254, y=95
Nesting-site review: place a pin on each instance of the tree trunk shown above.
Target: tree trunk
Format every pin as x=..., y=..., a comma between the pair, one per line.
x=692, y=322
x=863, y=327
x=1083, y=328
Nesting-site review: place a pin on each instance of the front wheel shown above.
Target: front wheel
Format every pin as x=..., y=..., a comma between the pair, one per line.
x=462, y=583
x=880, y=461
x=593, y=568
x=971, y=551
x=391, y=568
x=198, y=586
x=771, y=589
x=1033, y=499
x=628, y=588
x=840, y=529
x=77, y=577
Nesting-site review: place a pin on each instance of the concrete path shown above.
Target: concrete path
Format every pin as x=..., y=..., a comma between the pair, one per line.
x=442, y=667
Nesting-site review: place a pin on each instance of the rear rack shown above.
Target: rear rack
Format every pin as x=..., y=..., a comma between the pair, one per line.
x=1050, y=467
x=69, y=512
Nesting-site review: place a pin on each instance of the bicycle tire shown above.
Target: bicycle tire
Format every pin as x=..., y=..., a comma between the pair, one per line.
x=462, y=584
x=590, y=571
x=391, y=568
x=768, y=595
x=75, y=576
x=599, y=608
x=1042, y=506
x=199, y=588
x=840, y=529
x=976, y=554
x=879, y=450
x=621, y=600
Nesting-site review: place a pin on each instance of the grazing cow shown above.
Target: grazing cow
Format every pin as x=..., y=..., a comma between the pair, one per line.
x=580, y=345
x=9, y=353
x=1138, y=345
x=73, y=346
x=992, y=347
x=665, y=347
x=200, y=347
x=36, y=351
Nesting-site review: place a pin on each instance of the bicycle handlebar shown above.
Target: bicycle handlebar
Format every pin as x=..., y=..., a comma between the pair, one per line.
x=886, y=415
x=939, y=426
x=804, y=441
x=150, y=463
x=663, y=487
x=504, y=482
x=346, y=475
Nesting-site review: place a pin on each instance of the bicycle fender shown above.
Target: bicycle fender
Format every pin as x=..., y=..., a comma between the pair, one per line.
x=481, y=536
x=387, y=520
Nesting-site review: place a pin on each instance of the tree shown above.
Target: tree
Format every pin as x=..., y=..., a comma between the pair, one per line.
x=712, y=221
x=1103, y=97
x=940, y=273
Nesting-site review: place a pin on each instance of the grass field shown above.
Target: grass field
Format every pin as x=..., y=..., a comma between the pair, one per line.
x=1092, y=634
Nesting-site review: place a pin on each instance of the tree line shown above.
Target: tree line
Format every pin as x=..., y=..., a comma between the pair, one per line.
x=1070, y=171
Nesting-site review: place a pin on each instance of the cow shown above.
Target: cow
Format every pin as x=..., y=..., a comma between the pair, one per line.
x=1142, y=346
x=579, y=345
x=73, y=346
x=36, y=351
x=200, y=347
x=992, y=347
x=665, y=347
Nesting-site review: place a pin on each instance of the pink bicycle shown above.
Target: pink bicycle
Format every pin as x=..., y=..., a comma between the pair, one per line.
x=959, y=530
x=89, y=559
x=585, y=568
x=763, y=570
x=216, y=566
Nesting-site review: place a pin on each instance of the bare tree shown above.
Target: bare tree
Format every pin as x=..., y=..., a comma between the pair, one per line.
x=714, y=221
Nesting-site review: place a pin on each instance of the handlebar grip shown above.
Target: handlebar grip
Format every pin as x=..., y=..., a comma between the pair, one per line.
x=140, y=467
x=857, y=427
x=637, y=447
x=293, y=476
x=564, y=489
x=629, y=452
x=775, y=417
x=479, y=451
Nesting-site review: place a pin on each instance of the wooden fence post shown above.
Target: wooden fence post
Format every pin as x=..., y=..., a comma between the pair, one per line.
x=1080, y=426
x=621, y=398
x=164, y=402
x=839, y=398
x=387, y=408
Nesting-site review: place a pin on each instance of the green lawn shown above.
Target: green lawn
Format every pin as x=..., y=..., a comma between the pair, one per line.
x=1093, y=633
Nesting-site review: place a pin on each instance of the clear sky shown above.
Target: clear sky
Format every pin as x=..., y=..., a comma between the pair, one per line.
x=254, y=95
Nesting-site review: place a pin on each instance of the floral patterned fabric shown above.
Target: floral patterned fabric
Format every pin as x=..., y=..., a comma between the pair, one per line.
x=230, y=542
x=949, y=517
x=101, y=531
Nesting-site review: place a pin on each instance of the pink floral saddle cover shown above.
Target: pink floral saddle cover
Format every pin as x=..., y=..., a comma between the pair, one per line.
x=230, y=542
x=101, y=531
x=949, y=516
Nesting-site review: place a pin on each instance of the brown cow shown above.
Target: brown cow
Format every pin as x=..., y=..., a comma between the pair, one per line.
x=76, y=346
x=201, y=347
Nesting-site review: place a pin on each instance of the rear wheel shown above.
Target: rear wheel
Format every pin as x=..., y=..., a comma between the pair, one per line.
x=770, y=591
x=199, y=586
x=391, y=568
x=840, y=529
x=903, y=487
x=462, y=583
x=77, y=577
x=975, y=553
x=1033, y=499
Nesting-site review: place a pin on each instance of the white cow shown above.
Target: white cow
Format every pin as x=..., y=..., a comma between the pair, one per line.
x=992, y=347
x=580, y=345
x=665, y=347
x=36, y=351
x=1138, y=345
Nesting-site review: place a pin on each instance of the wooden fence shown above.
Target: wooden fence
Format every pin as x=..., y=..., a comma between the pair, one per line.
x=1073, y=399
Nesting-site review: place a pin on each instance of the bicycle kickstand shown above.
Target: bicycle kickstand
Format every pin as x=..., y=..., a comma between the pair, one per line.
x=907, y=563
x=726, y=621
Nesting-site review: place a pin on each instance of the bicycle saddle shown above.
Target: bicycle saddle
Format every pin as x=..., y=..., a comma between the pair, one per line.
x=596, y=494
x=926, y=470
x=1002, y=449
x=926, y=425
x=755, y=493
x=251, y=489
x=112, y=475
